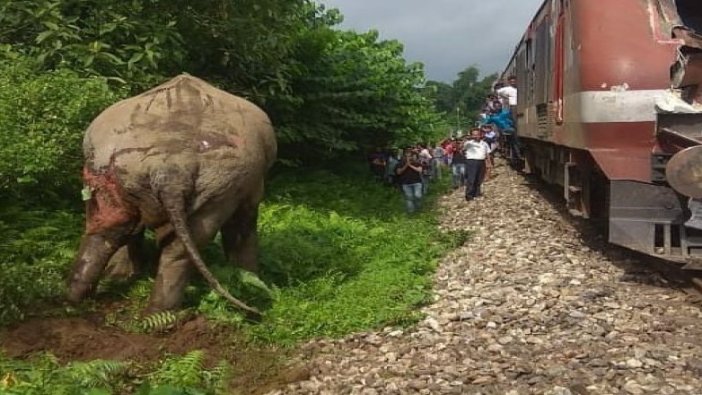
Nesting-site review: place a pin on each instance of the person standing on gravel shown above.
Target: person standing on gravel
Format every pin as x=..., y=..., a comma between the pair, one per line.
x=409, y=175
x=425, y=159
x=476, y=152
x=458, y=166
x=437, y=161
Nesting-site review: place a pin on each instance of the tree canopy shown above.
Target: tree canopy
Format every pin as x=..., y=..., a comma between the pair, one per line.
x=326, y=90
x=466, y=94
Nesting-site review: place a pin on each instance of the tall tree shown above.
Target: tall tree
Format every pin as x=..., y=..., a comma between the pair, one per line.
x=465, y=96
x=443, y=96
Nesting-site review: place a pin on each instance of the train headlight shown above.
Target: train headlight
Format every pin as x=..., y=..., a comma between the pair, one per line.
x=684, y=172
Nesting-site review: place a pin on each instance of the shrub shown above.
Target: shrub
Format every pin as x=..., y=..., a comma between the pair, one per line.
x=35, y=252
x=42, y=123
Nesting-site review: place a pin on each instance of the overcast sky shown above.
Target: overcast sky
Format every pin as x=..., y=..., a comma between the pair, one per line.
x=446, y=35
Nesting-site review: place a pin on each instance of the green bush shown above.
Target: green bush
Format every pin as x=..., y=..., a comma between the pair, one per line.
x=185, y=375
x=42, y=123
x=36, y=250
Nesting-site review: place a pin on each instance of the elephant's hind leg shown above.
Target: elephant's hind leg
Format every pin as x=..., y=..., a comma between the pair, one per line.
x=174, y=264
x=240, y=237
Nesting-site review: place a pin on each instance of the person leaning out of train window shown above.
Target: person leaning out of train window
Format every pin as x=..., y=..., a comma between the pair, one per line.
x=501, y=118
x=508, y=94
x=477, y=152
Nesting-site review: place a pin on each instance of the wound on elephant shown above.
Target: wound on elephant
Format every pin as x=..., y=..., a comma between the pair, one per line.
x=107, y=207
x=144, y=173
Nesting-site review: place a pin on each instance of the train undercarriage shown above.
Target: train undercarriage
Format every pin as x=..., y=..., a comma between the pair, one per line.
x=617, y=124
x=651, y=218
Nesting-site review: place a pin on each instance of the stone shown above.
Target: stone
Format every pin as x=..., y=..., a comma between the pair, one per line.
x=632, y=387
x=634, y=363
x=530, y=304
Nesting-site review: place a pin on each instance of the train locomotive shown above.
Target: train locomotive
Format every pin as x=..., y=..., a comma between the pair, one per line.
x=610, y=109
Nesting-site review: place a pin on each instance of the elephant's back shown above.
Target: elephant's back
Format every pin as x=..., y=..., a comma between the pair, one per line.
x=184, y=117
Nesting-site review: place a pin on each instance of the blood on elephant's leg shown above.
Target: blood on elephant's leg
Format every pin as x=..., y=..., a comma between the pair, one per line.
x=109, y=223
x=240, y=237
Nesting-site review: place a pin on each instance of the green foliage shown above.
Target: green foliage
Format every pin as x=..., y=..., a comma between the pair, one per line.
x=188, y=371
x=357, y=92
x=471, y=91
x=342, y=255
x=326, y=90
x=159, y=322
x=338, y=254
x=42, y=123
x=94, y=37
x=467, y=94
x=184, y=375
x=45, y=375
x=36, y=248
x=443, y=96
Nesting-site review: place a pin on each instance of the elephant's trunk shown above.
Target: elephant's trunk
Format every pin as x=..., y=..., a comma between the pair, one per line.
x=176, y=213
x=94, y=253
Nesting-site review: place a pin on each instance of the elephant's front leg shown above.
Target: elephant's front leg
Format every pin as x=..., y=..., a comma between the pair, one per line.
x=128, y=260
x=94, y=253
x=109, y=222
x=240, y=238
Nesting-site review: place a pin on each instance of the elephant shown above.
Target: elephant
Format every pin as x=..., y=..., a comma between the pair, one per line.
x=186, y=160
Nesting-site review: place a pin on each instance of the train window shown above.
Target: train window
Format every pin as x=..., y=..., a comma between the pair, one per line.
x=529, y=70
x=542, y=63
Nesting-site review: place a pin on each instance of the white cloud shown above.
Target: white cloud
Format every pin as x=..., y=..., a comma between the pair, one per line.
x=446, y=35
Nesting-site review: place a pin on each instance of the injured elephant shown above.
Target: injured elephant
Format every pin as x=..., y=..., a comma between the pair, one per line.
x=186, y=160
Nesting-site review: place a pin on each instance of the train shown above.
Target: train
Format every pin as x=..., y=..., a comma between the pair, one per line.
x=610, y=110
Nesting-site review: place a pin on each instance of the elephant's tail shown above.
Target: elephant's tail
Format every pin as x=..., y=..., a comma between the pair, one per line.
x=176, y=213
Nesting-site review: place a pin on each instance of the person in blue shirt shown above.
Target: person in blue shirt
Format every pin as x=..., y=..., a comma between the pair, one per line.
x=502, y=118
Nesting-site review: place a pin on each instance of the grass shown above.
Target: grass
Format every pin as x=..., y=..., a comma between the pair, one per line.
x=338, y=255
x=343, y=256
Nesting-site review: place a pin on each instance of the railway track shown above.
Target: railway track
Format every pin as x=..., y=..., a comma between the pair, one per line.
x=535, y=302
x=672, y=273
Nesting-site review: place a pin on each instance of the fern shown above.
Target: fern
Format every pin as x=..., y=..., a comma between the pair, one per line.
x=184, y=372
x=159, y=322
x=217, y=377
x=96, y=373
x=248, y=278
x=45, y=375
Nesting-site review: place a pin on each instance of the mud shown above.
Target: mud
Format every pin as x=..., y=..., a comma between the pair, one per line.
x=256, y=369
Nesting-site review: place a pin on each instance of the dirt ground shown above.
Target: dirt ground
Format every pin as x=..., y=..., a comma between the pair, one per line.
x=256, y=369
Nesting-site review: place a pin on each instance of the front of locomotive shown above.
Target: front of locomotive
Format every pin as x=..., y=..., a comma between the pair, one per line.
x=639, y=115
x=677, y=157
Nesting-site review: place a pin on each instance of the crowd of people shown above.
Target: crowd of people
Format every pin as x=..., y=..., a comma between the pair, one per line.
x=469, y=157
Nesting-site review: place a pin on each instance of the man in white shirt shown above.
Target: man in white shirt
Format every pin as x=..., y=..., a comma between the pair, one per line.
x=508, y=96
x=476, y=152
x=508, y=93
